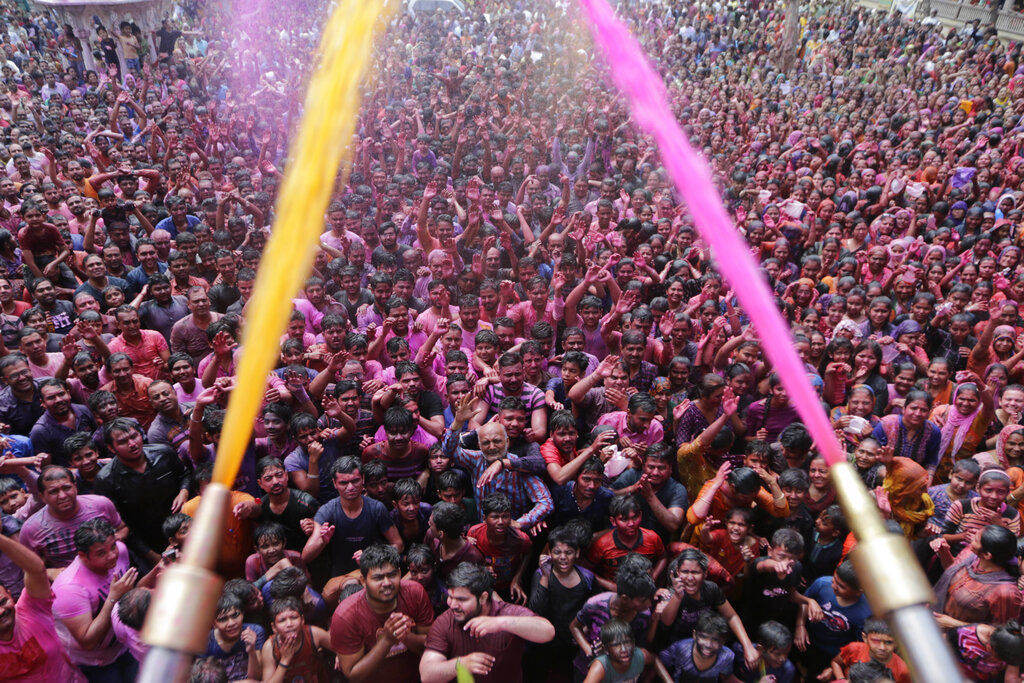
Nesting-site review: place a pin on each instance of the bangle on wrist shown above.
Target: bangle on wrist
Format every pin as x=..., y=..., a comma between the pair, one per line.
x=312, y=476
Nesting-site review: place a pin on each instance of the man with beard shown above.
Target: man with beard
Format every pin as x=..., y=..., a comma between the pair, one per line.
x=86, y=381
x=61, y=419
x=50, y=532
x=58, y=311
x=379, y=631
x=530, y=498
x=291, y=508
x=509, y=382
x=485, y=635
x=20, y=402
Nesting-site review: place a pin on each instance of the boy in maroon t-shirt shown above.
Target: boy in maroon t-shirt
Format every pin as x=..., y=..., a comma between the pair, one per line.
x=504, y=547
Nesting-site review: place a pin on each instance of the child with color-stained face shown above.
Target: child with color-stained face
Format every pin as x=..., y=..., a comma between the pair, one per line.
x=622, y=660
x=294, y=645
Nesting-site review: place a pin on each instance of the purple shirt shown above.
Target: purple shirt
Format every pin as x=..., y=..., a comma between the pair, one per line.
x=54, y=539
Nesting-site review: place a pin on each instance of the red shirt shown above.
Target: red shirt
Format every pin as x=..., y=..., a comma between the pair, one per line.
x=448, y=637
x=35, y=653
x=607, y=551
x=859, y=652
x=354, y=627
x=145, y=355
x=504, y=558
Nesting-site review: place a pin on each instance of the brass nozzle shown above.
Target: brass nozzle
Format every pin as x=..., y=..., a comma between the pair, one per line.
x=889, y=574
x=187, y=593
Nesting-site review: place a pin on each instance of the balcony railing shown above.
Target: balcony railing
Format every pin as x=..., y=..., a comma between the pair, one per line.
x=1009, y=23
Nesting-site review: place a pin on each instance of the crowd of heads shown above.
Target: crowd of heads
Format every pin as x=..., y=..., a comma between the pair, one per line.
x=515, y=384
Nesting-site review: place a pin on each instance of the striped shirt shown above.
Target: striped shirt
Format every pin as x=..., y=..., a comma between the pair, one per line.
x=531, y=395
x=530, y=498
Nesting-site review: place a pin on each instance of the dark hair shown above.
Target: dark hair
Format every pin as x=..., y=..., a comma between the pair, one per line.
x=406, y=487
x=561, y=419
x=745, y=481
x=285, y=604
x=91, y=532
x=642, y=401
x=227, y=602
x=868, y=672
x=172, y=524
x=270, y=530
x=1008, y=643
x=133, y=607
x=623, y=505
x=633, y=583
x=689, y=555
x=1000, y=542
x=474, y=578
x=564, y=535
x=379, y=555
x=795, y=478
x=374, y=470
x=346, y=464
x=398, y=420
x=53, y=473
x=450, y=519
x=877, y=626
x=846, y=573
x=289, y=582
x=775, y=636
x=711, y=623
x=615, y=631
x=120, y=425
x=268, y=462
x=420, y=554
x=207, y=669
x=495, y=503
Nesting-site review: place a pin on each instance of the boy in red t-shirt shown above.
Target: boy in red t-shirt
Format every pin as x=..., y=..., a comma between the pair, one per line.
x=562, y=460
x=878, y=646
x=625, y=537
x=732, y=546
x=504, y=547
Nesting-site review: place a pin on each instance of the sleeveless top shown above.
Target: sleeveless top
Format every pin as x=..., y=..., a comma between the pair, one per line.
x=307, y=665
x=630, y=675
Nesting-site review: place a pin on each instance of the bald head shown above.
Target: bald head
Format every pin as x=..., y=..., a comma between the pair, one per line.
x=493, y=441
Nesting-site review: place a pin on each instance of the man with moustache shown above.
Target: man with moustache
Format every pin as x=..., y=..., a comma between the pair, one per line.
x=379, y=631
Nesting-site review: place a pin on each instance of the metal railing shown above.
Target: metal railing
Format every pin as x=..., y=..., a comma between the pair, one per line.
x=1009, y=23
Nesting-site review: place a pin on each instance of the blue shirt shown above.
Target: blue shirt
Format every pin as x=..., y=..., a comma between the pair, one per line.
x=138, y=278
x=355, y=534
x=841, y=625
x=168, y=224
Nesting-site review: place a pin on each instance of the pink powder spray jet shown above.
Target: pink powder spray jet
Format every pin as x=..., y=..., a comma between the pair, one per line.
x=887, y=569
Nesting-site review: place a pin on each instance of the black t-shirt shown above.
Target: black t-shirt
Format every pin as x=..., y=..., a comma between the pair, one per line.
x=430, y=404
x=167, y=40
x=711, y=597
x=768, y=596
x=300, y=506
x=222, y=296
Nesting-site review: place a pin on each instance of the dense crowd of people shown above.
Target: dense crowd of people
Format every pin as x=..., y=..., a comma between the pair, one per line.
x=520, y=425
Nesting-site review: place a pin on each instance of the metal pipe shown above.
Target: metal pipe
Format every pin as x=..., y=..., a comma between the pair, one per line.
x=928, y=656
x=178, y=624
x=894, y=582
x=163, y=665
